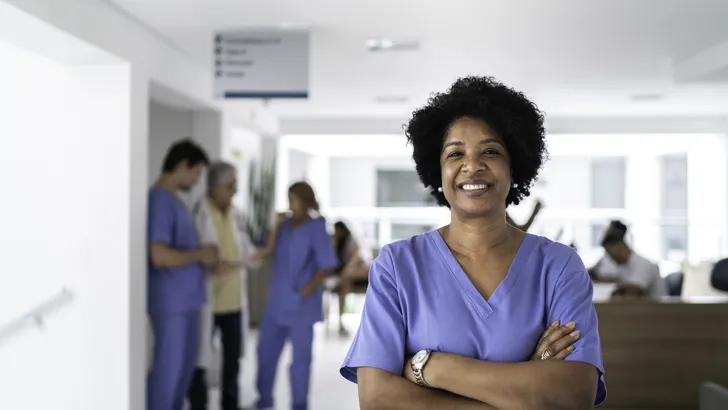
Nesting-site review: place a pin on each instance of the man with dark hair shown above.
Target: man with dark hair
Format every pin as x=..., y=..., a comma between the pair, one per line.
x=176, y=290
x=633, y=274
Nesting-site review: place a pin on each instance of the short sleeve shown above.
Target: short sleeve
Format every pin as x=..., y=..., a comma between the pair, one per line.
x=322, y=247
x=606, y=267
x=380, y=340
x=160, y=225
x=572, y=302
x=641, y=276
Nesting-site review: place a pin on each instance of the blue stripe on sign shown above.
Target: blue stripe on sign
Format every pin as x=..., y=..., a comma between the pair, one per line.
x=266, y=95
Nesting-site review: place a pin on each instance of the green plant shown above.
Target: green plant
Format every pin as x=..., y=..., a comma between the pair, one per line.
x=261, y=194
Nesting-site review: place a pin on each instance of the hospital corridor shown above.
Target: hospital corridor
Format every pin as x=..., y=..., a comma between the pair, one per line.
x=363, y=205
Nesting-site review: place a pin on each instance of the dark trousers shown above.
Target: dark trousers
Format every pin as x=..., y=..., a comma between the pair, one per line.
x=230, y=326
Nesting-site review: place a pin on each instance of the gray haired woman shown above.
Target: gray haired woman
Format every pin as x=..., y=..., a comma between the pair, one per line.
x=226, y=311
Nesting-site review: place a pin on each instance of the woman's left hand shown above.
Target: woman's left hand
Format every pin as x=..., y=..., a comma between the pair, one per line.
x=557, y=342
x=307, y=290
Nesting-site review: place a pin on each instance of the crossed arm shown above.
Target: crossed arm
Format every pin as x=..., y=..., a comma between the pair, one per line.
x=459, y=382
x=381, y=390
x=463, y=383
x=533, y=385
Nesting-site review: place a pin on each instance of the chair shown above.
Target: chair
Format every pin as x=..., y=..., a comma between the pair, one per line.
x=331, y=292
x=713, y=397
x=719, y=275
x=674, y=283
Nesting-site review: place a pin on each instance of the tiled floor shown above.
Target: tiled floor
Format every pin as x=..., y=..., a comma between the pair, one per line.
x=329, y=391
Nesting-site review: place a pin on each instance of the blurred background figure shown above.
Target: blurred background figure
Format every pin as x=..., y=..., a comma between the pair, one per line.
x=353, y=269
x=302, y=258
x=633, y=274
x=226, y=312
x=176, y=289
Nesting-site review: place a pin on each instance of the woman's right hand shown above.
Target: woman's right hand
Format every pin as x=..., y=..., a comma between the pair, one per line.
x=557, y=342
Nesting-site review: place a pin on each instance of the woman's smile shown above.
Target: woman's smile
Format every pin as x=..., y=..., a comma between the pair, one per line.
x=475, y=187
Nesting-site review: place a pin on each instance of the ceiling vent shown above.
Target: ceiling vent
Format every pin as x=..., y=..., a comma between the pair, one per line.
x=646, y=97
x=383, y=44
x=391, y=99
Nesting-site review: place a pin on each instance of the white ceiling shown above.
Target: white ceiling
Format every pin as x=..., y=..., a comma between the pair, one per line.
x=574, y=57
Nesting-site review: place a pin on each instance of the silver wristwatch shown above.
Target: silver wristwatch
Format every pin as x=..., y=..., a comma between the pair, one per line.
x=417, y=364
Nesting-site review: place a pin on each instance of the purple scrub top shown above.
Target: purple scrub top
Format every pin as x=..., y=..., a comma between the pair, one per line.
x=173, y=289
x=420, y=298
x=300, y=253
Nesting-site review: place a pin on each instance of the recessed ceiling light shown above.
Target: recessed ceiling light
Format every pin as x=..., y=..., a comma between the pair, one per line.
x=385, y=44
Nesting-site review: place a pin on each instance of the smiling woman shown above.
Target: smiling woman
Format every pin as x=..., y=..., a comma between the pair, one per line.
x=477, y=314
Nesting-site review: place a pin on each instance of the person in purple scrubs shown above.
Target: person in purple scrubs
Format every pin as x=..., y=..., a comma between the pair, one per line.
x=302, y=258
x=176, y=289
x=477, y=314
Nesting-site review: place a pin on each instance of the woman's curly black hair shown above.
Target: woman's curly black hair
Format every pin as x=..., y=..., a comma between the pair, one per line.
x=516, y=120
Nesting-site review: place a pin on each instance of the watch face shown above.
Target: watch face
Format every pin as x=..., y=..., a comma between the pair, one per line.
x=420, y=356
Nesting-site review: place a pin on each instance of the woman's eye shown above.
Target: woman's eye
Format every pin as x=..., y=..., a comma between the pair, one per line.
x=454, y=154
x=491, y=152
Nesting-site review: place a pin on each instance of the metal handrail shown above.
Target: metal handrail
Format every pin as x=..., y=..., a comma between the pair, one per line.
x=36, y=315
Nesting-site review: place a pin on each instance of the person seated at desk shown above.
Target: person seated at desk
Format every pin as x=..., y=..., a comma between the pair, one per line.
x=634, y=275
x=353, y=269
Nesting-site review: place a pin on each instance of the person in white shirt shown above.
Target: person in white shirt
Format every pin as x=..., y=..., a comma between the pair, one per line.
x=221, y=224
x=633, y=274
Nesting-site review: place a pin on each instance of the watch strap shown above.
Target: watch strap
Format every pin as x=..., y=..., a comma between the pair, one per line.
x=418, y=371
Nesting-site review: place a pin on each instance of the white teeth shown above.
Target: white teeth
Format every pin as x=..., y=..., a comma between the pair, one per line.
x=473, y=187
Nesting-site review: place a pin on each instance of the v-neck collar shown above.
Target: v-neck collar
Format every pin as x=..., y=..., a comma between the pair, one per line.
x=484, y=307
x=299, y=226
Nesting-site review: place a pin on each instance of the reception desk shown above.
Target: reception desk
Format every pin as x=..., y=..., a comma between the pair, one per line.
x=657, y=354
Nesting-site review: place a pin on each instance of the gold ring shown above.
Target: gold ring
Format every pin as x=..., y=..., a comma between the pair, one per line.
x=545, y=355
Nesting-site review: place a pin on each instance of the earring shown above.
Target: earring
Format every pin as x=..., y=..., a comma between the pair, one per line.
x=515, y=185
x=439, y=189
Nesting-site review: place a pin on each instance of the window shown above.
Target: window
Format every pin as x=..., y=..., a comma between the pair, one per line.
x=607, y=183
x=674, y=204
x=597, y=234
x=674, y=185
x=402, y=189
x=674, y=240
x=405, y=231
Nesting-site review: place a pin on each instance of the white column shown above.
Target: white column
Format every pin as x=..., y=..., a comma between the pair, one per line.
x=707, y=177
x=642, y=203
x=137, y=271
x=319, y=176
x=282, y=170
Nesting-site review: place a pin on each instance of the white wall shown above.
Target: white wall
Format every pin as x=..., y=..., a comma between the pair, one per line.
x=298, y=165
x=353, y=180
x=166, y=126
x=66, y=220
x=82, y=32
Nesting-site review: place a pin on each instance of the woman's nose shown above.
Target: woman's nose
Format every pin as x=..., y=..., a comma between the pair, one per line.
x=474, y=163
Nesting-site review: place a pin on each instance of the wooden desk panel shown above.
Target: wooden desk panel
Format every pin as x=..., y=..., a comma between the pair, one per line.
x=656, y=355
